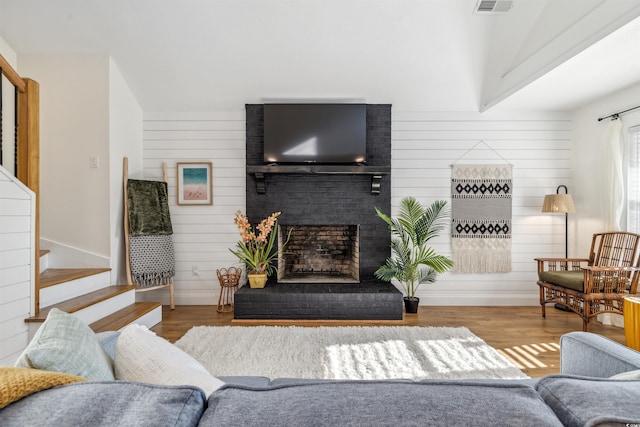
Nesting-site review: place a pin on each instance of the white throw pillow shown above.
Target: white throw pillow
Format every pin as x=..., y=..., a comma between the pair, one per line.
x=143, y=356
x=630, y=375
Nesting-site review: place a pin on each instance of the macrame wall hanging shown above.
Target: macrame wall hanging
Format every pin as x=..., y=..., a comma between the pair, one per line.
x=481, y=216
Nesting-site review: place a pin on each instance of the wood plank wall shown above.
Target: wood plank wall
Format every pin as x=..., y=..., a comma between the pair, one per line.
x=424, y=144
x=17, y=265
x=202, y=234
x=539, y=148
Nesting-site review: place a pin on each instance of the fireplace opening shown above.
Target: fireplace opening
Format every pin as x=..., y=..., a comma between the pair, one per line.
x=319, y=254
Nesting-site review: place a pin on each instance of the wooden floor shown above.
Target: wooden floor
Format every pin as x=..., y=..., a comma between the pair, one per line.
x=519, y=333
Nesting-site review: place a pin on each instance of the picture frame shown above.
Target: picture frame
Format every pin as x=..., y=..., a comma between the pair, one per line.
x=195, y=186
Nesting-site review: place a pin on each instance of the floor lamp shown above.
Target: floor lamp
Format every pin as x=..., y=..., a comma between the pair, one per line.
x=560, y=203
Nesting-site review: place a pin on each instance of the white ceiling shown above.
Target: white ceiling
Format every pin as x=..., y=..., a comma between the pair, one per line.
x=206, y=55
x=610, y=65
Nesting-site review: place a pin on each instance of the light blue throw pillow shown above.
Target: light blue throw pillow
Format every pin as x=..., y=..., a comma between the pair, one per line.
x=63, y=343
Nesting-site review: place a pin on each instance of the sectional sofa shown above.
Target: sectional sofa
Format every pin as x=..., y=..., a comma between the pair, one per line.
x=582, y=395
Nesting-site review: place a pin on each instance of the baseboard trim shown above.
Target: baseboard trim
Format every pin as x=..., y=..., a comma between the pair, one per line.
x=65, y=256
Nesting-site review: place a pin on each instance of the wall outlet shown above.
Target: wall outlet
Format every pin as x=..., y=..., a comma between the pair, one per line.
x=94, y=162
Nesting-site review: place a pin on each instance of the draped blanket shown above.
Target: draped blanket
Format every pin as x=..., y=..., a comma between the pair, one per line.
x=152, y=260
x=151, y=251
x=481, y=215
x=148, y=208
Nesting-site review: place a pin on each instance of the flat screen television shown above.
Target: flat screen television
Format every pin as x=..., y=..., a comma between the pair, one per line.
x=315, y=133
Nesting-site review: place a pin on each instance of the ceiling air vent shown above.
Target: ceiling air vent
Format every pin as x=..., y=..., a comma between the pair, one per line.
x=492, y=7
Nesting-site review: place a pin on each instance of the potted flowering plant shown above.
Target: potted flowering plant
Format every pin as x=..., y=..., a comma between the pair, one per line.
x=256, y=247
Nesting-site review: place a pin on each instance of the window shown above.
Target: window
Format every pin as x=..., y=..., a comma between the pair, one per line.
x=633, y=193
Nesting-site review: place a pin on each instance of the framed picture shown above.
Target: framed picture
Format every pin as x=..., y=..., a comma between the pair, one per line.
x=194, y=183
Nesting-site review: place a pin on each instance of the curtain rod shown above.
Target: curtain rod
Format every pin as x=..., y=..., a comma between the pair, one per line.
x=614, y=116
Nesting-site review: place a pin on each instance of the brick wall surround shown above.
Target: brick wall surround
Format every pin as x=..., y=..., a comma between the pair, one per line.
x=310, y=199
x=327, y=199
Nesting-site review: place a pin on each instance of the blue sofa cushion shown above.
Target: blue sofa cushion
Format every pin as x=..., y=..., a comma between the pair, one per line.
x=378, y=403
x=108, y=340
x=108, y=404
x=584, y=401
x=250, y=381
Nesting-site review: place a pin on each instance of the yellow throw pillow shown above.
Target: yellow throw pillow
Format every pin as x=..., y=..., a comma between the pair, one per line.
x=16, y=383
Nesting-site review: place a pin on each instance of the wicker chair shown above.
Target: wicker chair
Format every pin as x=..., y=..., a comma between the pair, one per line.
x=595, y=285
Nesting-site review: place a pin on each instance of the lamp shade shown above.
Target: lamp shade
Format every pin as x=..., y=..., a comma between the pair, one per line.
x=560, y=203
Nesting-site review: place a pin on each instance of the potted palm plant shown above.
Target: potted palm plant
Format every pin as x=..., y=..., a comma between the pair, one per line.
x=413, y=262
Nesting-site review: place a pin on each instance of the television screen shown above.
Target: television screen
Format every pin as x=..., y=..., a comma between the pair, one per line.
x=315, y=133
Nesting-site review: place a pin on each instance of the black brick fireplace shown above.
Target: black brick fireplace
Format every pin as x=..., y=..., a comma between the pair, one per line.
x=335, y=201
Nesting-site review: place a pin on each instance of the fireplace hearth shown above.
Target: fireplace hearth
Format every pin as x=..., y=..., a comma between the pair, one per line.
x=368, y=300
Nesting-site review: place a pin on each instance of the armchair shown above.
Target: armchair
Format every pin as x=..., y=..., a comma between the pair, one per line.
x=594, y=285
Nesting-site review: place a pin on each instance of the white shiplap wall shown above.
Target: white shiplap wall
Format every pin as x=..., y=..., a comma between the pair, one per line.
x=17, y=258
x=539, y=148
x=202, y=234
x=423, y=147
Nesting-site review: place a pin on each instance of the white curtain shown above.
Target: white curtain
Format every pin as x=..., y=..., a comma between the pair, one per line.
x=613, y=143
x=613, y=176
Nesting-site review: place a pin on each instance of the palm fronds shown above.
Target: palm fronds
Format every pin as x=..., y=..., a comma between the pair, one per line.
x=413, y=262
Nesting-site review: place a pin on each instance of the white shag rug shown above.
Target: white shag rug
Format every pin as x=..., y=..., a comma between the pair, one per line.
x=350, y=352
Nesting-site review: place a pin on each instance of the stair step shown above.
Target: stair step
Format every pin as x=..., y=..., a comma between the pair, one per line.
x=122, y=318
x=78, y=303
x=43, y=260
x=55, y=276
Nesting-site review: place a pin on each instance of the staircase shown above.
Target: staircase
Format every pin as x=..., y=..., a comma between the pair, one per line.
x=87, y=294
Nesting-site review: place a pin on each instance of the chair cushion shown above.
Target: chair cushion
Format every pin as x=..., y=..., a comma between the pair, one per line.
x=582, y=401
x=567, y=279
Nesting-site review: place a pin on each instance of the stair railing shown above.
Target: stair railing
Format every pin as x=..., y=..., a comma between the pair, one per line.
x=26, y=144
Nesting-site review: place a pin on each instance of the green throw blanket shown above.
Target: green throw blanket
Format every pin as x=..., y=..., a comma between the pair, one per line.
x=148, y=208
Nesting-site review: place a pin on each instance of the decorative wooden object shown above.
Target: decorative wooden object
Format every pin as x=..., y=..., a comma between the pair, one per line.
x=632, y=322
x=229, y=279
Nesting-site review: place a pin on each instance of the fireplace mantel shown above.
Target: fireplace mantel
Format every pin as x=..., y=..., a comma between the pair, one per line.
x=376, y=172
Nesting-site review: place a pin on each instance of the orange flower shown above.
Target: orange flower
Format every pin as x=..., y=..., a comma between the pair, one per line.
x=256, y=249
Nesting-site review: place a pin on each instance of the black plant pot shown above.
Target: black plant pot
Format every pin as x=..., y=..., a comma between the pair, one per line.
x=411, y=304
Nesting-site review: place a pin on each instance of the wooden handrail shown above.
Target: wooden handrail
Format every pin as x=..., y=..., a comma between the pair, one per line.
x=11, y=74
x=27, y=154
